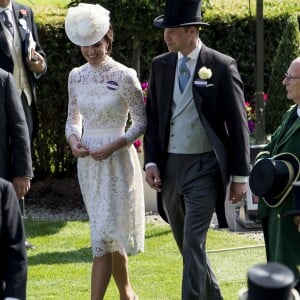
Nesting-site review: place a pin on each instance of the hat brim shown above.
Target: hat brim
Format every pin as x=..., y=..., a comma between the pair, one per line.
x=243, y=294
x=159, y=22
x=293, y=160
x=293, y=213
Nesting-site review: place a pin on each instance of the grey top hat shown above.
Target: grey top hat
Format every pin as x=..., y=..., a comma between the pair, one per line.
x=180, y=13
x=272, y=178
x=272, y=281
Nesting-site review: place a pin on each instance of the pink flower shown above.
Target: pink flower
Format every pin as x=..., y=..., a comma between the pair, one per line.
x=137, y=144
x=145, y=85
x=145, y=88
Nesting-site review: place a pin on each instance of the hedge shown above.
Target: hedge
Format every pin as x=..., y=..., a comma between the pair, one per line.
x=232, y=32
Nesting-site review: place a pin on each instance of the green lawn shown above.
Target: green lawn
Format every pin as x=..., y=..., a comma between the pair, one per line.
x=34, y=3
x=60, y=266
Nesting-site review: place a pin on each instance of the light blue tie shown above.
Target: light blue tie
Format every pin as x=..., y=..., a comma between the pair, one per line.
x=184, y=73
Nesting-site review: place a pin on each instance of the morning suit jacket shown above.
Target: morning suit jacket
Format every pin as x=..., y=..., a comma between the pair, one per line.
x=6, y=61
x=220, y=108
x=13, y=260
x=15, y=154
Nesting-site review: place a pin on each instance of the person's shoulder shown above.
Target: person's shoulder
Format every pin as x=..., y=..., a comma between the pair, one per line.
x=217, y=55
x=165, y=56
x=116, y=66
x=78, y=70
x=293, y=107
x=21, y=6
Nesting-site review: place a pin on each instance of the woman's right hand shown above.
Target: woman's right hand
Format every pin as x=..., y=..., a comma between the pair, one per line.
x=79, y=149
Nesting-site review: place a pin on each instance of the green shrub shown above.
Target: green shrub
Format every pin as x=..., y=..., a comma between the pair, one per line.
x=288, y=49
x=232, y=30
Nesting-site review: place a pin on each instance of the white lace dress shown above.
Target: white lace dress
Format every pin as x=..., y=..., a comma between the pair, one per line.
x=112, y=189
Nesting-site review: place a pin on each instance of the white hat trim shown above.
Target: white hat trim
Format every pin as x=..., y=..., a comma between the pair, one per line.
x=86, y=24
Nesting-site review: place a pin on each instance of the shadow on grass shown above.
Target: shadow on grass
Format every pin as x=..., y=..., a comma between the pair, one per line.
x=83, y=255
x=155, y=233
x=36, y=228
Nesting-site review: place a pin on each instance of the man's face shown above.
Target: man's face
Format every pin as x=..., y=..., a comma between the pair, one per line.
x=179, y=39
x=292, y=81
x=4, y=3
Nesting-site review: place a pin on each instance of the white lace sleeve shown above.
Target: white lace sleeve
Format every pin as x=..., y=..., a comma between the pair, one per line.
x=74, y=119
x=133, y=95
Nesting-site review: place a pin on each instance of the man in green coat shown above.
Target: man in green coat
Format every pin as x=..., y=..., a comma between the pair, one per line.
x=281, y=235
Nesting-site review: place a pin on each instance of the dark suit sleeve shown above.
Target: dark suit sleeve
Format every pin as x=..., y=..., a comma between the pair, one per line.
x=38, y=45
x=236, y=120
x=151, y=142
x=13, y=253
x=17, y=130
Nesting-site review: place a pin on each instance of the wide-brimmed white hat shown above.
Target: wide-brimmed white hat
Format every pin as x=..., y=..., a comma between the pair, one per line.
x=86, y=24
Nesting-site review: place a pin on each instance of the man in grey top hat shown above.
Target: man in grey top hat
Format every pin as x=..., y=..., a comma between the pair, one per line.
x=196, y=141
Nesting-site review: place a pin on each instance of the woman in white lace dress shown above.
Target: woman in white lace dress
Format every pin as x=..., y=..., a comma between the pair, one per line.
x=101, y=93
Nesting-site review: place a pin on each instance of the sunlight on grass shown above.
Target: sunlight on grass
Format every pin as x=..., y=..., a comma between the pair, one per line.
x=60, y=266
x=34, y=3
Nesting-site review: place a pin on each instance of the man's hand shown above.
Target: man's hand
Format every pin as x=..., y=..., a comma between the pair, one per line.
x=153, y=178
x=21, y=185
x=38, y=64
x=237, y=191
x=297, y=222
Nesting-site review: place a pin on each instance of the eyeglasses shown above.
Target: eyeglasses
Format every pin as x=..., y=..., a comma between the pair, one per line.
x=289, y=77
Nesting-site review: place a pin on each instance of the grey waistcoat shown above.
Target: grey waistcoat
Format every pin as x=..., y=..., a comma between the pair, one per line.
x=187, y=135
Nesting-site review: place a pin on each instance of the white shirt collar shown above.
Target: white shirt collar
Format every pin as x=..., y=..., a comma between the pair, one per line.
x=298, y=111
x=194, y=54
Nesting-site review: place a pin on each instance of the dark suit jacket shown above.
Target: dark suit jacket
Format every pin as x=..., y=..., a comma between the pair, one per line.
x=220, y=108
x=6, y=62
x=15, y=155
x=13, y=260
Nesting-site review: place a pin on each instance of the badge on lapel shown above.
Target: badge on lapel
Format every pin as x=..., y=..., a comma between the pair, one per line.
x=204, y=74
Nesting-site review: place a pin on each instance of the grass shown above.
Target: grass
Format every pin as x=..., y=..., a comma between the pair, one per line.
x=60, y=266
x=44, y=3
